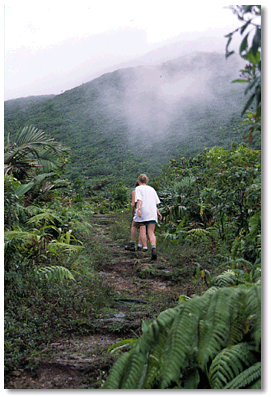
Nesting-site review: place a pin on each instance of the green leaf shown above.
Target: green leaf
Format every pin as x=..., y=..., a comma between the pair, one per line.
x=244, y=44
x=256, y=43
x=255, y=59
x=247, y=105
x=123, y=343
x=21, y=190
x=243, y=28
x=239, y=81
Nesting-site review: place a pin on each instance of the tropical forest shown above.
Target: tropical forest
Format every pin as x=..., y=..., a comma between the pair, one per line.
x=80, y=311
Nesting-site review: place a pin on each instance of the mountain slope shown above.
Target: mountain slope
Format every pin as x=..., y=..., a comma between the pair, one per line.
x=134, y=120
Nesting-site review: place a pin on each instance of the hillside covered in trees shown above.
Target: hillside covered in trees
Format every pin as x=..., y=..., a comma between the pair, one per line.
x=135, y=119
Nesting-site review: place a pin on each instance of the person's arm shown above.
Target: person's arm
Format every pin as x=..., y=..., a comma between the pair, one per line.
x=160, y=217
x=133, y=203
x=139, y=202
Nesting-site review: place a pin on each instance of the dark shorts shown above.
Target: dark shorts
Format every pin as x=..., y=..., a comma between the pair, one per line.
x=150, y=222
x=138, y=224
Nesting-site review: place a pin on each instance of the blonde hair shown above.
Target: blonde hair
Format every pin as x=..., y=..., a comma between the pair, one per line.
x=143, y=178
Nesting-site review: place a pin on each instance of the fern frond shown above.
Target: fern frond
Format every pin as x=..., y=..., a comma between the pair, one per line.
x=136, y=367
x=57, y=247
x=224, y=279
x=117, y=372
x=253, y=313
x=12, y=244
x=152, y=375
x=229, y=363
x=182, y=339
x=198, y=232
x=188, y=338
x=55, y=273
x=248, y=379
x=12, y=235
x=217, y=330
x=44, y=217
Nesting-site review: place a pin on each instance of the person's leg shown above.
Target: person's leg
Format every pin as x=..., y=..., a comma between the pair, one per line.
x=151, y=230
x=131, y=245
x=139, y=243
x=143, y=235
x=152, y=237
x=134, y=229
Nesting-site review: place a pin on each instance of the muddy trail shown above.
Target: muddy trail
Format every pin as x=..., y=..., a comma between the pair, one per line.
x=141, y=289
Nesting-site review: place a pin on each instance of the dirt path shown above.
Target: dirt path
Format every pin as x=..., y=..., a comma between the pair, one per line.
x=142, y=289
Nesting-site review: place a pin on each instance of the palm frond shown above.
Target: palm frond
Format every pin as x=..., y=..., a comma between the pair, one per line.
x=30, y=148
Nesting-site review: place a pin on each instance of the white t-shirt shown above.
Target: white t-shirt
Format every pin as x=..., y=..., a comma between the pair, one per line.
x=149, y=199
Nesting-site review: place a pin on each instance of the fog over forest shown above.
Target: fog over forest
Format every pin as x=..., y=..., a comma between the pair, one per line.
x=152, y=100
x=137, y=117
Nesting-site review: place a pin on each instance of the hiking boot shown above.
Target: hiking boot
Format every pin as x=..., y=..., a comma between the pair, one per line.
x=130, y=247
x=139, y=248
x=153, y=254
x=145, y=249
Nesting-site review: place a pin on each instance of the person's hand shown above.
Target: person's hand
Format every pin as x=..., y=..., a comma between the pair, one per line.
x=160, y=217
x=139, y=213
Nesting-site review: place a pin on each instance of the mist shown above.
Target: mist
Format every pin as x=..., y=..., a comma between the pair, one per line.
x=154, y=103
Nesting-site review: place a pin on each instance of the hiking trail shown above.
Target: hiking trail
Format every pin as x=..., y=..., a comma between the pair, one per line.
x=141, y=290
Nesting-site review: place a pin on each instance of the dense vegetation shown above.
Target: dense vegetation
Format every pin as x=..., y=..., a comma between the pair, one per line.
x=211, y=198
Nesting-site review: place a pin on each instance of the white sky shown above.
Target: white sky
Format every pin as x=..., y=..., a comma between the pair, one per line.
x=45, y=42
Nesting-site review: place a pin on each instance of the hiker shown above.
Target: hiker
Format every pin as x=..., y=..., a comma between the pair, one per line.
x=146, y=214
x=139, y=245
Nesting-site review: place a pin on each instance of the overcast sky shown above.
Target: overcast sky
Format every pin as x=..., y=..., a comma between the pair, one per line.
x=48, y=43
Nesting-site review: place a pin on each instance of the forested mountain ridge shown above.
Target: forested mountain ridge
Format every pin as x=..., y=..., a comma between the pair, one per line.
x=135, y=119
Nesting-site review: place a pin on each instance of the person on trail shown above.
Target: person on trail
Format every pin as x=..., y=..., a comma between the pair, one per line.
x=139, y=245
x=146, y=214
